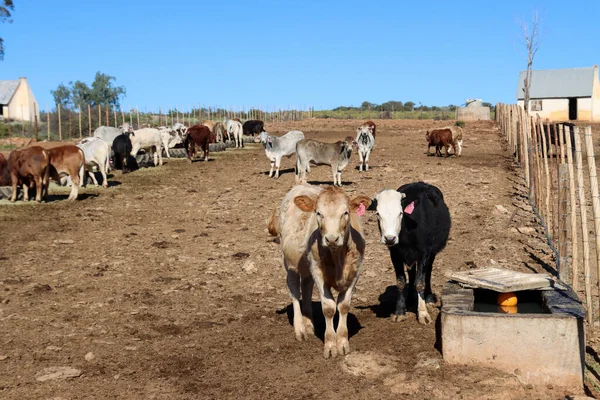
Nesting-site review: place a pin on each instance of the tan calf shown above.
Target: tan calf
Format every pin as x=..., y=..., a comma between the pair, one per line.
x=322, y=243
x=29, y=167
x=67, y=160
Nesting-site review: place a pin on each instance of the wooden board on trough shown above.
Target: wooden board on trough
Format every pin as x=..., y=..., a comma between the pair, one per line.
x=501, y=280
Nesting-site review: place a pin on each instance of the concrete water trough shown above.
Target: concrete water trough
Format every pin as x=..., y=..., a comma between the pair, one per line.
x=541, y=345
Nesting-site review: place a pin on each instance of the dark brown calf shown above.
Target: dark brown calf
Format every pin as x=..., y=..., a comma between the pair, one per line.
x=371, y=125
x=439, y=138
x=29, y=167
x=4, y=172
x=198, y=135
x=67, y=160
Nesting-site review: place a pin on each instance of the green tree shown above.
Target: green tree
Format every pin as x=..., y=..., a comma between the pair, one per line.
x=104, y=93
x=62, y=96
x=6, y=7
x=80, y=93
x=409, y=106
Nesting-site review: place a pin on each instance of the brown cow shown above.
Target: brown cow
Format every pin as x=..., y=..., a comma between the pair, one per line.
x=439, y=138
x=370, y=124
x=4, y=172
x=198, y=135
x=67, y=160
x=29, y=167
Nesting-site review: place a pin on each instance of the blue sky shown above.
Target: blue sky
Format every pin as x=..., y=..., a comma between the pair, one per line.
x=293, y=53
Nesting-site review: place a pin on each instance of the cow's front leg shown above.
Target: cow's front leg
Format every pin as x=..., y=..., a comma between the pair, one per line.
x=277, y=165
x=367, y=160
x=25, y=191
x=339, y=178
x=343, y=306
x=360, y=158
x=328, y=306
x=272, y=167
x=293, y=284
x=398, y=262
x=420, y=284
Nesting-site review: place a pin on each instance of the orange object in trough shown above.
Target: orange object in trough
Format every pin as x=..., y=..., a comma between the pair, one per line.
x=508, y=309
x=507, y=299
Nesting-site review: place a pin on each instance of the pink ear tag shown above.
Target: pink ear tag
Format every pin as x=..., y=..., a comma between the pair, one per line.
x=361, y=210
x=410, y=208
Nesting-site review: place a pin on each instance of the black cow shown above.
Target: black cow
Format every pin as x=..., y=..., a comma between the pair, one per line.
x=414, y=222
x=253, y=126
x=122, y=158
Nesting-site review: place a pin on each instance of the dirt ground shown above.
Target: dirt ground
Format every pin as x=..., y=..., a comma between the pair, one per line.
x=167, y=285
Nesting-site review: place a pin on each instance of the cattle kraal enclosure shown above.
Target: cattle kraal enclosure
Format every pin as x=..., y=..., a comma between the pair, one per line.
x=167, y=284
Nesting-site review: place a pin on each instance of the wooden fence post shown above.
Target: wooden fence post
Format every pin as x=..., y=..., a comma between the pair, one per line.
x=584, y=231
x=591, y=161
x=48, y=121
x=573, y=201
x=59, y=123
x=137, y=116
x=99, y=114
x=563, y=267
x=115, y=116
x=80, y=132
x=89, y=120
x=548, y=186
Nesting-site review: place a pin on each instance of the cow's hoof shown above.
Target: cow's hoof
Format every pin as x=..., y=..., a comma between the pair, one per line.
x=343, y=346
x=425, y=318
x=301, y=334
x=399, y=317
x=105, y=186
x=310, y=329
x=330, y=350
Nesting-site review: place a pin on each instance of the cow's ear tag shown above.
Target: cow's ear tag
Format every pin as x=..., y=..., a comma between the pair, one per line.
x=410, y=208
x=361, y=210
x=269, y=139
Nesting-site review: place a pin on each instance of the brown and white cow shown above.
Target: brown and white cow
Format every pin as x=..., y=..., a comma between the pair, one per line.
x=198, y=135
x=322, y=243
x=67, y=160
x=29, y=167
x=439, y=138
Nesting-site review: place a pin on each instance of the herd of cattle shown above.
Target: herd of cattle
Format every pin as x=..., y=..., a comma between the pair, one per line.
x=321, y=238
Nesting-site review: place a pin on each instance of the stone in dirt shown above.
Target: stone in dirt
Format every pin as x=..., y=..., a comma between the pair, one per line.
x=89, y=356
x=501, y=208
x=57, y=373
x=249, y=267
x=64, y=241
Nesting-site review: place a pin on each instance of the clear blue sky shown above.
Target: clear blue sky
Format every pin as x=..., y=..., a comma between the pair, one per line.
x=293, y=53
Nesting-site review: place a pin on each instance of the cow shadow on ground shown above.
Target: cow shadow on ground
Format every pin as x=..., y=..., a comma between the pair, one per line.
x=387, y=302
x=51, y=198
x=319, y=320
x=281, y=171
x=195, y=160
x=328, y=183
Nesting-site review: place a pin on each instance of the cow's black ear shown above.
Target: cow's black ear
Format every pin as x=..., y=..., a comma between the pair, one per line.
x=373, y=206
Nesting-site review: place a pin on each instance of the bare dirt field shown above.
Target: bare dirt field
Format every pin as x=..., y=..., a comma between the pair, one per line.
x=167, y=284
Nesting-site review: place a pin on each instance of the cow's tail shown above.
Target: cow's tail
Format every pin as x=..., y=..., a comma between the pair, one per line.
x=46, y=176
x=82, y=169
x=273, y=223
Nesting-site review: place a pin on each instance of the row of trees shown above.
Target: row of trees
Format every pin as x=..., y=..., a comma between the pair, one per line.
x=103, y=92
x=392, y=106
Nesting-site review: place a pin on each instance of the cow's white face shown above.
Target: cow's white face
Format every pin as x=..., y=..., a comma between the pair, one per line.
x=389, y=215
x=262, y=138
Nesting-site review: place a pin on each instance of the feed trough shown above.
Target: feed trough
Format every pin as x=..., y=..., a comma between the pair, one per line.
x=541, y=340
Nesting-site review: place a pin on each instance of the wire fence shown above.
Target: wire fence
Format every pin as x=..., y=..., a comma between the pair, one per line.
x=560, y=173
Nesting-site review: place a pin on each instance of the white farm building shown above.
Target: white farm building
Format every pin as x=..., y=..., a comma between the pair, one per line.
x=563, y=94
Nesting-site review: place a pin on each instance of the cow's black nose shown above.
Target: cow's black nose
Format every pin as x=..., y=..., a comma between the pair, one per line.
x=389, y=240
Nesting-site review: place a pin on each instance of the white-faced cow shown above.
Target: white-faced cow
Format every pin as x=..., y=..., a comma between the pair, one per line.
x=414, y=223
x=365, y=141
x=278, y=147
x=148, y=139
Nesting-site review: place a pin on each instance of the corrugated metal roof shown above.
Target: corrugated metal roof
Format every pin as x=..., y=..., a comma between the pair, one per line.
x=558, y=83
x=7, y=89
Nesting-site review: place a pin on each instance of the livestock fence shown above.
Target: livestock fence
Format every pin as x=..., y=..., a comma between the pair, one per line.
x=65, y=123
x=59, y=122
x=562, y=185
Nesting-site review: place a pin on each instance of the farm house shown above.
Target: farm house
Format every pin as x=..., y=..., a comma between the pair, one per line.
x=17, y=101
x=563, y=94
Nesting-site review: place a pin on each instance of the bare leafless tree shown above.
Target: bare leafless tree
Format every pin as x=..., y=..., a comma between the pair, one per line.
x=6, y=6
x=531, y=39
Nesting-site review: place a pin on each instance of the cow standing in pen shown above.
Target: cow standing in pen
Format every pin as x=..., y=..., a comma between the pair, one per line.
x=337, y=155
x=29, y=167
x=414, y=223
x=365, y=142
x=198, y=135
x=323, y=244
x=278, y=147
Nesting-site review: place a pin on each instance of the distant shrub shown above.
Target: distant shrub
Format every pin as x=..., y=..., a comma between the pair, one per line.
x=460, y=124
